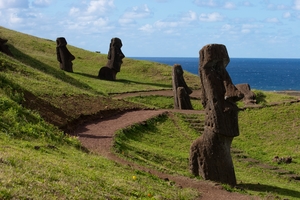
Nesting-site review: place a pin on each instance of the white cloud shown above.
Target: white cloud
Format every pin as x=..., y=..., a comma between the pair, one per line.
x=137, y=12
x=287, y=15
x=41, y=3
x=6, y=4
x=147, y=28
x=245, y=31
x=274, y=6
x=165, y=24
x=93, y=7
x=102, y=6
x=227, y=27
x=190, y=16
x=212, y=17
x=296, y=5
x=272, y=20
x=171, y=25
x=14, y=19
x=247, y=28
x=74, y=11
x=90, y=16
x=208, y=3
x=229, y=5
x=247, y=3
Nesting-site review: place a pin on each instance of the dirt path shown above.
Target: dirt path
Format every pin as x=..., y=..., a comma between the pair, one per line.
x=98, y=138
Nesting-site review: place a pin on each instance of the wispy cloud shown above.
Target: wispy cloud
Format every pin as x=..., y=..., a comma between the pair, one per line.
x=211, y=17
x=206, y=3
x=296, y=5
x=6, y=4
x=93, y=8
x=169, y=25
x=135, y=13
x=41, y=3
x=272, y=20
x=229, y=5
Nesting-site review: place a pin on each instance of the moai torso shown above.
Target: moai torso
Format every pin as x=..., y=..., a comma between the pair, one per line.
x=181, y=91
x=64, y=57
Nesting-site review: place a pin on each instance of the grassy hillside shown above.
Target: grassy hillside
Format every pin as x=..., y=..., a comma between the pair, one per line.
x=41, y=104
x=38, y=160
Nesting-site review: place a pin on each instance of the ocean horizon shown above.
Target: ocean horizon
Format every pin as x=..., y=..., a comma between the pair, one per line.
x=269, y=74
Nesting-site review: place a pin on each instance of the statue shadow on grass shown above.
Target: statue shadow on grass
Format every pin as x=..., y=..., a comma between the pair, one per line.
x=86, y=75
x=152, y=84
x=57, y=73
x=267, y=188
x=125, y=81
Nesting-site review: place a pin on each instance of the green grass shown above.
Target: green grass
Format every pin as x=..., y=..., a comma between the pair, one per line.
x=40, y=54
x=160, y=143
x=35, y=170
x=39, y=160
x=161, y=102
x=264, y=133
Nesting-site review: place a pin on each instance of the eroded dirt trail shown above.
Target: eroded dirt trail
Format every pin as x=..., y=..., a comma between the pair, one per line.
x=98, y=138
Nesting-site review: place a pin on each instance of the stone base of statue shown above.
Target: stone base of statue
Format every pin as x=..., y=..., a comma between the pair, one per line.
x=106, y=73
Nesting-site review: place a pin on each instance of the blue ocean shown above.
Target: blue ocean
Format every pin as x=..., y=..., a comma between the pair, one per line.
x=267, y=74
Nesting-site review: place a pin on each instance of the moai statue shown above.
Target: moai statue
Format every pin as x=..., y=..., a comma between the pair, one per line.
x=64, y=57
x=249, y=96
x=210, y=153
x=113, y=66
x=181, y=91
x=4, y=48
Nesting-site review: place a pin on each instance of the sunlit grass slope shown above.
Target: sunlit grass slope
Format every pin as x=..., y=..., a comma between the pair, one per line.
x=264, y=133
x=135, y=75
x=38, y=160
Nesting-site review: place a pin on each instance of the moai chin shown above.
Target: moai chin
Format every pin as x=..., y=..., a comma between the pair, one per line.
x=181, y=91
x=64, y=57
x=115, y=56
x=210, y=154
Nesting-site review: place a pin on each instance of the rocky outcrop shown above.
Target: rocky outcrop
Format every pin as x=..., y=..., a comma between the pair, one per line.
x=210, y=154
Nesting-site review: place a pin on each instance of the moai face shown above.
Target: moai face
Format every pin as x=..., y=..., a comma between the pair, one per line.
x=218, y=92
x=115, y=55
x=64, y=57
x=181, y=91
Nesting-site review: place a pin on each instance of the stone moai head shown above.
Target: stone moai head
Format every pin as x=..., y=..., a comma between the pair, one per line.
x=115, y=54
x=4, y=48
x=181, y=91
x=64, y=57
x=218, y=92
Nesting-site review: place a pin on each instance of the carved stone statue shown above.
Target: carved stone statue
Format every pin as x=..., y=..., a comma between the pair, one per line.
x=181, y=91
x=64, y=57
x=210, y=154
x=4, y=48
x=249, y=96
x=115, y=56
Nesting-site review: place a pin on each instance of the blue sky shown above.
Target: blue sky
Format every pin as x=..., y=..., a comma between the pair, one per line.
x=165, y=28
